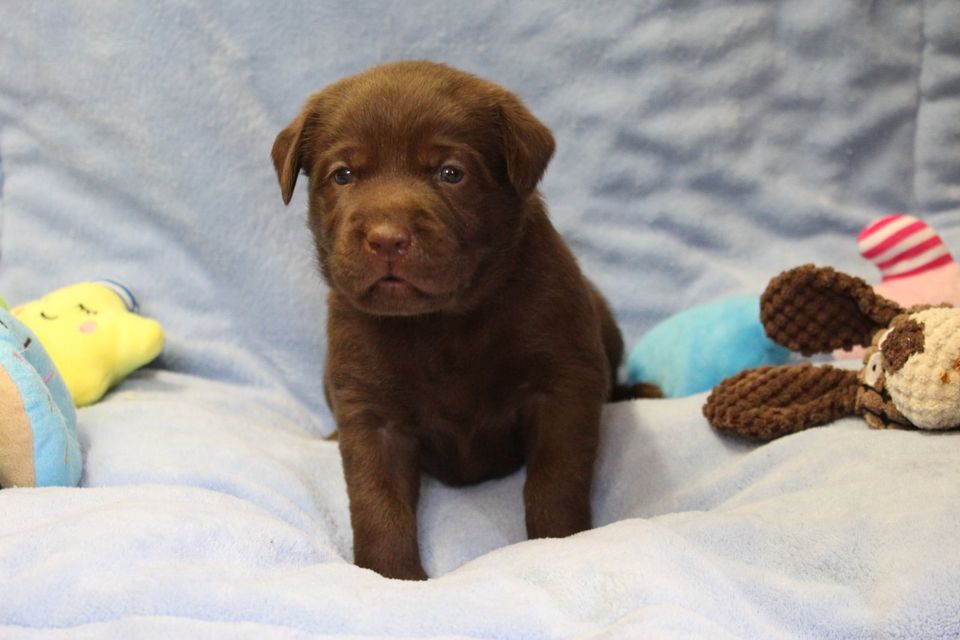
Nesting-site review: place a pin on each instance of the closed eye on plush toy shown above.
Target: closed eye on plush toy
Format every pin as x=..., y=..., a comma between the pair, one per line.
x=89, y=312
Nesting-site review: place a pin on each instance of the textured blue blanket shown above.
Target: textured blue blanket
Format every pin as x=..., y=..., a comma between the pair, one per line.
x=703, y=146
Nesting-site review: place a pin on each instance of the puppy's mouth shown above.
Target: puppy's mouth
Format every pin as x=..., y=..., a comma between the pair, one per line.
x=395, y=287
x=396, y=295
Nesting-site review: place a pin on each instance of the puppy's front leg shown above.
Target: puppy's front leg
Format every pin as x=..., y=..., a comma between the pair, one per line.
x=561, y=446
x=383, y=485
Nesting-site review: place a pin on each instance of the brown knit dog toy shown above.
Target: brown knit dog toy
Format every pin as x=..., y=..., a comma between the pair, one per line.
x=911, y=373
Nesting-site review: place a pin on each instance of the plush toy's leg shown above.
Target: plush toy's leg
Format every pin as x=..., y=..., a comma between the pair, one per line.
x=16, y=438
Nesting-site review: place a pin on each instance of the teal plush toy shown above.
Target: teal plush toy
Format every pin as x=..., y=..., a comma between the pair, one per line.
x=38, y=433
x=693, y=350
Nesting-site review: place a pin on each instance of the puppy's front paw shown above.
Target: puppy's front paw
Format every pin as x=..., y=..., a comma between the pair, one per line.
x=555, y=523
x=395, y=568
x=416, y=573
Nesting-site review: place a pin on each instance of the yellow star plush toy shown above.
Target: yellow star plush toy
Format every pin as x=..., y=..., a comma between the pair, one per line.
x=93, y=335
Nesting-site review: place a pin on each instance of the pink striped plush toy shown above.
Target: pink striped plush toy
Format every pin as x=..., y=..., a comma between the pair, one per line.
x=916, y=266
x=914, y=263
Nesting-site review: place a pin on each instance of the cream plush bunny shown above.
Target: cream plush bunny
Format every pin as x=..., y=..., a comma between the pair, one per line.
x=911, y=372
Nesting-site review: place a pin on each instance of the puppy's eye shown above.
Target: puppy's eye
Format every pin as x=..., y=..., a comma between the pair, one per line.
x=343, y=176
x=450, y=174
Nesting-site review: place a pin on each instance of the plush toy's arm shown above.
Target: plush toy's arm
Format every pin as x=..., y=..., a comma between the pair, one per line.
x=142, y=340
x=133, y=342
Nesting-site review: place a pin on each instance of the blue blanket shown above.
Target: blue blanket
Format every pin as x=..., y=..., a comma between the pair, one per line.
x=703, y=147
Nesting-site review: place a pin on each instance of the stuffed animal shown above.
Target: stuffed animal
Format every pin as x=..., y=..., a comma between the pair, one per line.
x=693, y=350
x=64, y=350
x=93, y=334
x=914, y=263
x=38, y=438
x=911, y=373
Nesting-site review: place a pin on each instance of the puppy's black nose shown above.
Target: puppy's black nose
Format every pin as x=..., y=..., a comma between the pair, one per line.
x=388, y=241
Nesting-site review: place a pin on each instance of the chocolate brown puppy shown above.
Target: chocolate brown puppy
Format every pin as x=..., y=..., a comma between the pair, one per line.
x=463, y=339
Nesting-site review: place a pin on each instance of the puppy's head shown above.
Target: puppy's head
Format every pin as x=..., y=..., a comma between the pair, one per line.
x=420, y=178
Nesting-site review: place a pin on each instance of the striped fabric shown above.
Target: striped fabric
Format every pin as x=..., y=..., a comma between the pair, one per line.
x=902, y=246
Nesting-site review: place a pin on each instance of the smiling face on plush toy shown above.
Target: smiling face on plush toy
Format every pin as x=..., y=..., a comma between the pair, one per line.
x=92, y=336
x=77, y=306
x=911, y=374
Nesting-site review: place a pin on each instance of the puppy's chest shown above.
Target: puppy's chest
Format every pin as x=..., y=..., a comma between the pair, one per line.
x=457, y=384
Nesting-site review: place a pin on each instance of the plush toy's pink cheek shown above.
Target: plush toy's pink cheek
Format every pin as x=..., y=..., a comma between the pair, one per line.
x=88, y=327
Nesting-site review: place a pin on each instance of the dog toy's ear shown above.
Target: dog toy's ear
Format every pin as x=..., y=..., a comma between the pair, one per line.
x=286, y=156
x=769, y=402
x=527, y=142
x=811, y=310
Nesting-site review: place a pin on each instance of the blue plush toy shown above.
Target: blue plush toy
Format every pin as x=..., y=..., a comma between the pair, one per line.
x=695, y=349
x=38, y=436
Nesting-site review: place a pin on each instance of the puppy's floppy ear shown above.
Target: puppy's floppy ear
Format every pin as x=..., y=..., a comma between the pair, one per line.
x=288, y=150
x=292, y=150
x=286, y=156
x=816, y=309
x=527, y=143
